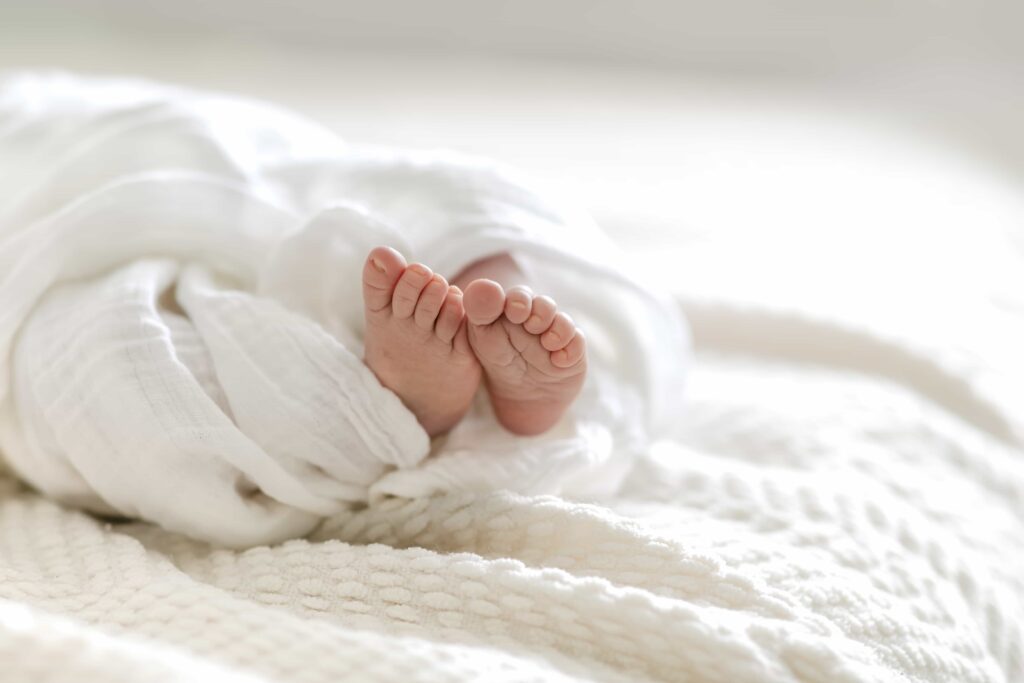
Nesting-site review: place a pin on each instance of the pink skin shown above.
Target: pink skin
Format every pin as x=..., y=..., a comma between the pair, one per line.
x=533, y=357
x=416, y=339
x=429, y=343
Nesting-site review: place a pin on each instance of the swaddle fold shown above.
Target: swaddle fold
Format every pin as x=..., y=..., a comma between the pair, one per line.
x=181, y=320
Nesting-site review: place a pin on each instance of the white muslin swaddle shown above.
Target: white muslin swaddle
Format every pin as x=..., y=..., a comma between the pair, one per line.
x=181, y=319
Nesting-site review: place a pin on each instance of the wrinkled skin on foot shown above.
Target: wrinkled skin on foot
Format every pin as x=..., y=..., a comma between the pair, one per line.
x=533, y=356
x=416, y=339
x=431, y=344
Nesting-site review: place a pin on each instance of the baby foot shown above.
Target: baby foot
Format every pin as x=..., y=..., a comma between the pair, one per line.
x=534, y=359
x=416, y=339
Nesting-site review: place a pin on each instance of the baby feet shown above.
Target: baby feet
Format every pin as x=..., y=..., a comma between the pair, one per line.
x=533, y=357
x=416, y=339
x=429, y=343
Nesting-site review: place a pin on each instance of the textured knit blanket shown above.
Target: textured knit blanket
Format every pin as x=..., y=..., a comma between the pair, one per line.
x=840, y=498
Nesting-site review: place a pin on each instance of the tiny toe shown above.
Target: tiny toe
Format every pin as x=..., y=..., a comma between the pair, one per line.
x=484, y=301
x=541, y=316
x=572, y=354
x=381, y=271
x=518, y=301
x=559, y=334
x=451, y=315
x=430, y=301
x=407, y=291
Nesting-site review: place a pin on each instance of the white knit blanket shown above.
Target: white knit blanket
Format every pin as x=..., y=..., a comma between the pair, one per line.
x=841, y=499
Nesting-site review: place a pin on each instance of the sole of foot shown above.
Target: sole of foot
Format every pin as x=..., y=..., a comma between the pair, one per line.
x=533, y=357
x=416, y=339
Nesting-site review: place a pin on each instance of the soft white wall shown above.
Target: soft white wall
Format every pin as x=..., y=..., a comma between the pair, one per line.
x=953, y=70
x=794, y=36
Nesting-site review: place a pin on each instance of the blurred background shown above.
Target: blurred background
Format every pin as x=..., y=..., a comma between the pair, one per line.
x=669, y=119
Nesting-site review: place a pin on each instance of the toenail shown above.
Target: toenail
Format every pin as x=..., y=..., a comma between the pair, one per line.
x=518, y=304
x=378, y=264
x=534, y=320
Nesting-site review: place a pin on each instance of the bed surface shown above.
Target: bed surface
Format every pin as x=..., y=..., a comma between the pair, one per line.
x=843, y=499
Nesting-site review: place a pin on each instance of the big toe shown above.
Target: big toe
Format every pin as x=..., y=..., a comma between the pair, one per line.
x=484, y=301
x=381, y=271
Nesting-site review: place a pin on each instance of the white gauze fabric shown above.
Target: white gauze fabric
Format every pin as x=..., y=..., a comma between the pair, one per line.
x=181, y=321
